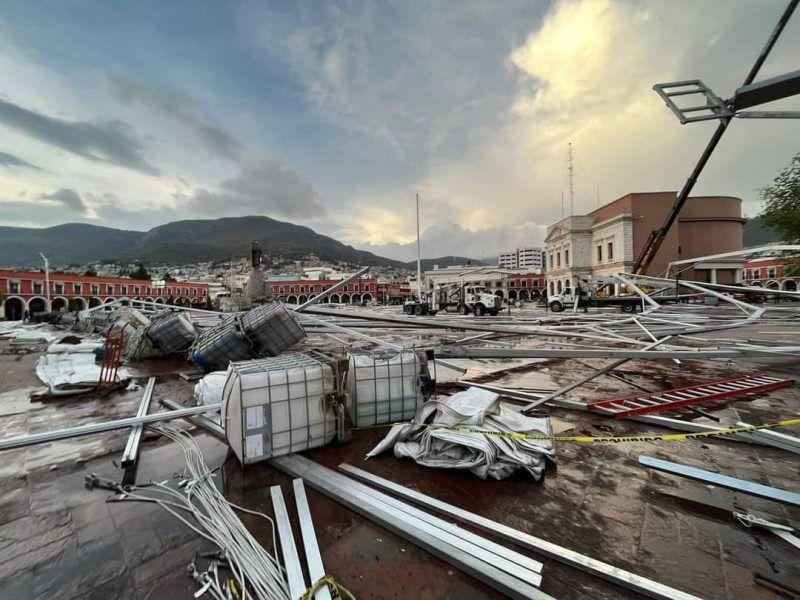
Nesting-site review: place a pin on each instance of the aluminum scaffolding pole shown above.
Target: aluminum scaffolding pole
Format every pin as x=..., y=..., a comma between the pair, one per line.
x=131, y=453
x=63, y=434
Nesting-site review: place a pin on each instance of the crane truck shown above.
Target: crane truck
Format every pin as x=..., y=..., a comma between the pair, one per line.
x=463, y=298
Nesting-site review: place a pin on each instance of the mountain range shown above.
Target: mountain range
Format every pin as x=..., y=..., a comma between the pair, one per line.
x=181, y=242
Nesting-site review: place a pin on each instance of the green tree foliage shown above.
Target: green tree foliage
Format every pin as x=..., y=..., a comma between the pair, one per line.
x=782, y=202
x=90, y=272
x=140, y=272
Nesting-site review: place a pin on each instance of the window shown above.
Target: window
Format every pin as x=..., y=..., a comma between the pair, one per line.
x=77, y=288
x=38, y=287
x=59, y=287
x=13, y=286
x=558, y=259
x=136, y=290
x=535, y=283
x=771, y=273
x=110, y=289
x=524, y=283
x=95, y=289
x=551, y=260
x=566, y=258
x=610, y=251
x=124, y=290
x=599, y=254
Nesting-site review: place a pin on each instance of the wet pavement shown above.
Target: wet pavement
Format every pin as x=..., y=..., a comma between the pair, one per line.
x=59, y=539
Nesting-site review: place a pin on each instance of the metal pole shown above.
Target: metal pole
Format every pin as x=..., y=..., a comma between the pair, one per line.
x=330, y=290
x=46, y=278
x=63, y=434
x=131, y=453
x=589, y=377
x=419, y=259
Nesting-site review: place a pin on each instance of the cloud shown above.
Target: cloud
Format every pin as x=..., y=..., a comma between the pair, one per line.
x=176, y=105
x=448, y=238
x=61, y=206
x=109, y=142
x=69, y=199
x=268, y=187
x=9, y=160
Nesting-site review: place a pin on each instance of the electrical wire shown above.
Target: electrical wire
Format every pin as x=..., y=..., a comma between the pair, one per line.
x=202, y=507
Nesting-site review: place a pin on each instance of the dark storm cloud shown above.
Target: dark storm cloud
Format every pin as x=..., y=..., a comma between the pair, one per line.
x=106, y=141
x=177, y=105
x=266, y=188
x=70, y=199
x=9, y=160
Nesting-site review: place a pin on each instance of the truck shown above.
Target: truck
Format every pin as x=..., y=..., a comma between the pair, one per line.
x=462, y=298
x=592, y=296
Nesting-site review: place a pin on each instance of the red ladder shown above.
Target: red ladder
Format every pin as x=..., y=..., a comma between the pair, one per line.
x=641, y=404
x=112, y=359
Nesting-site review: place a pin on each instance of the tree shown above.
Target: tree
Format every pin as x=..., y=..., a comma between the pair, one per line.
x=782, y=202
x=140, y=272
x=90, y=272
x=168, y=277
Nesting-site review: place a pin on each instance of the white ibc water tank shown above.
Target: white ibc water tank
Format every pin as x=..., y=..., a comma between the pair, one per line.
x=384, y=387
x=275, y=406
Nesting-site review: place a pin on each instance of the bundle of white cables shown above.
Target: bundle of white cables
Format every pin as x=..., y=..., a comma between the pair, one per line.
x=257, y=572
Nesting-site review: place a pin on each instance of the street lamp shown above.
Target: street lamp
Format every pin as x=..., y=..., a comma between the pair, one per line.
x=46, y=278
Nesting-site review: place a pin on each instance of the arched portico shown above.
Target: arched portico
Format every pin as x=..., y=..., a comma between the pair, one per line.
x=13, y=308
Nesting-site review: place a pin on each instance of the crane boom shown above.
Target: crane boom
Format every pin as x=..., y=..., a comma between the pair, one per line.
x=657, y=236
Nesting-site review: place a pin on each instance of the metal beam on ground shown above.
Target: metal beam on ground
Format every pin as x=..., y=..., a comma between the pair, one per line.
x=131, y=453
x=698, y=354
x=291, y=560
x=631, y=581
x=731, y=483
x=313, y=558
x=201, y=420
x=347, y=492
x=73, y=432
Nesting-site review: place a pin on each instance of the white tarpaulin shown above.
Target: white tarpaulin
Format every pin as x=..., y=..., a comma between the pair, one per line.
x=485, y=455
x=71, y=372
x=17, y=330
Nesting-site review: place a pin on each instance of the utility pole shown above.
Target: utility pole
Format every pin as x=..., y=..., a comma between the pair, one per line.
x=419, y=259
x=46, y=278
x=571, y=175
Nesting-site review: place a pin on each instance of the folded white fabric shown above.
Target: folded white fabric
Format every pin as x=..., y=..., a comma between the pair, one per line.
x=431, y=441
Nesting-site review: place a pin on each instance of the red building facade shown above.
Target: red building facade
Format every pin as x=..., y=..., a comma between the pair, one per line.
x=525, y=286
x=300, y=290
x=27, y=290
x=774, y=273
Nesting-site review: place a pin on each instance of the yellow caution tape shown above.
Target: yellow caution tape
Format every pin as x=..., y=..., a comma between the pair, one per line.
x=588, y=439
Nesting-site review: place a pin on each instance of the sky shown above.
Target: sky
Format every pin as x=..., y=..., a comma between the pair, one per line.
x=335, y=114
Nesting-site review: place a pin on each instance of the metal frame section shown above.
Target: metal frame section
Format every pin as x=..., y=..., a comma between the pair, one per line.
x=313, y=558
x=131, y=453
x=450, y=547
x=291, y=560
x=330, y=290
x=736, y=253
x=609, y=572
x=731, y=483
x=63, y=434
x=713, y=106
x=201, y=420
